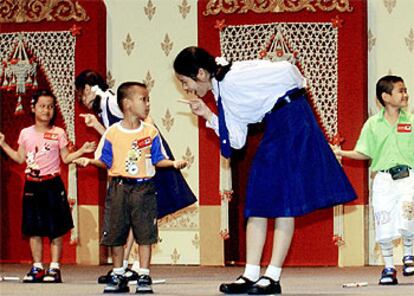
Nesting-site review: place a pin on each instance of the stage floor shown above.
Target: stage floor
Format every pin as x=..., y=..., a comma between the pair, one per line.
x=195, y=280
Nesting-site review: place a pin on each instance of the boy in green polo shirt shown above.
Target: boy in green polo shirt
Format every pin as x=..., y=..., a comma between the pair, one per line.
x=387, y=140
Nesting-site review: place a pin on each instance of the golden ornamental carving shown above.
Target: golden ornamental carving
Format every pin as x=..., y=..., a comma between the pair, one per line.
x=33, y=11
x=168, y=120
x=189, y=157
x=409, y=41
x=110, y=80
x=184, y=8
x=390, y=5
x=167, y=45
x=150, y=10
x=215, y=7
x=149, y=82
x=371, y=40
x=128, y=44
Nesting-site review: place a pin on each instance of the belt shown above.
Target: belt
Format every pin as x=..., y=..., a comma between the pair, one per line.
x=41, y=178
x=125, y=180
x=288, y=97
x=396, y=167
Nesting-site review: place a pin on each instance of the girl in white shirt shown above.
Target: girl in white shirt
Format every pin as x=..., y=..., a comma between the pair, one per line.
x=294, y=171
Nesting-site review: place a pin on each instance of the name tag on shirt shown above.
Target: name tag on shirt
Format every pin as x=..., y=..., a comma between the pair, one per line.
x=144, y=142
x=51, y=136
x=404, y=128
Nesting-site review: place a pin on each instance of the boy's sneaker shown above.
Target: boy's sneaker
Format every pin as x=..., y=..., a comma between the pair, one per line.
x=129, y=274
x=52, y=276
x=117, y=284
x=35, y=275
x=144, y=284
x=408, y=268
x=388, y=276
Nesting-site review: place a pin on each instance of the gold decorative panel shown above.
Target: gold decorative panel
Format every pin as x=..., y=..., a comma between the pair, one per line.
x=110, y=80
x=189, y=157
x=371, y=40
x=32, y=11
x=149, y=82
x=215, y=7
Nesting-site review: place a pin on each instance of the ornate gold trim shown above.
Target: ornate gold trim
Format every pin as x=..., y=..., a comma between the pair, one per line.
x=215, y=7
x=33, y=11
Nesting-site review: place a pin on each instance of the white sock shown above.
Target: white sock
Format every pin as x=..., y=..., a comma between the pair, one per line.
x=135, y=266
x=387, y=254
x=118, y=270
x=273, y=272
x=252, y=272
x=54, y=265
x=38, y=265
x=125, y=264
x=144, y=271
x=408, y=246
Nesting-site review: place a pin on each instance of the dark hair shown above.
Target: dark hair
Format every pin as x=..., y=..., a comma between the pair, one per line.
x=45, y=93
x=193, y=58
x=386, y=85
x=124, y=91
x=91, y=78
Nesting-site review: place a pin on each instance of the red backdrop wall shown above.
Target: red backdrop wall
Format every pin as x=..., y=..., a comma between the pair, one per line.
x=90, y=53
x=312, y=243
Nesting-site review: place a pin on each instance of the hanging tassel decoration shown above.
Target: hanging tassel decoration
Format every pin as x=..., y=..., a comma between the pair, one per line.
x=19, y=107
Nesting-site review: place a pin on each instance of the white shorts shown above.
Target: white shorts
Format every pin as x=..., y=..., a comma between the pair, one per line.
x=393, y=204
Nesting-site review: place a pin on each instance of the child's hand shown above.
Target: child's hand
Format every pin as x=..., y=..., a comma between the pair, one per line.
x=2, y=139
x=180, y=164
x=90, y=119
x=82, y=161
x=337, y=151
x=88, y=147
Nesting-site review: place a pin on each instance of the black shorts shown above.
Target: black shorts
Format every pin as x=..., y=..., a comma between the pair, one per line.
x=46, y=210
x=130, y=205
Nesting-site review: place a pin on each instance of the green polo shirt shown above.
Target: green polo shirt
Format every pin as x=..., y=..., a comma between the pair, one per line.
x=388, y=145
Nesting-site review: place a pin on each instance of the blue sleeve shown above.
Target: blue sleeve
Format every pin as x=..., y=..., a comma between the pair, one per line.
x=156, y=152
x=106, y=155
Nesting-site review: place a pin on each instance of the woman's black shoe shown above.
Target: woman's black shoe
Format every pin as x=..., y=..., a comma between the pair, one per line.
x=236, y=288
x=272, y=288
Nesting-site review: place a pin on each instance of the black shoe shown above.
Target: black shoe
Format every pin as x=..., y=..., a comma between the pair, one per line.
x=408, y=268
x=104, y=279
x=388, y=276
x=130, y=275
x=235, y=287
x=144, y=285
x=272, y=288
x=117, y=284
x=35, y=275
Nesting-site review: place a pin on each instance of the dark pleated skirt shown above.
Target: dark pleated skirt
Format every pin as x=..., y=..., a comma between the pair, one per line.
x=173, y=192
x=294, y=171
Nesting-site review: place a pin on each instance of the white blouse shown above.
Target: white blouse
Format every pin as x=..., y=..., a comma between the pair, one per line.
x=250, y=90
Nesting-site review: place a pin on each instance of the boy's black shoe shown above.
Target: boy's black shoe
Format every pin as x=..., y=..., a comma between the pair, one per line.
x=117, y=284
x=144, y=285
x=129, y=274
x=35, y=275
x=104, y=279
x=52, y=276
x=408, y=268
x=236, y=287
x=272, y=288
x=388, y=276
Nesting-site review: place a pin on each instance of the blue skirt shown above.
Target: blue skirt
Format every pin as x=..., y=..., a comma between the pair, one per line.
x=294, y=171
x=173, y=192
